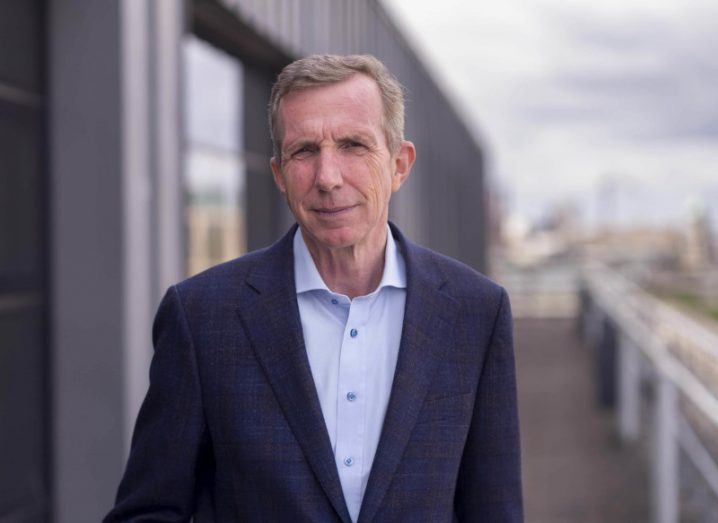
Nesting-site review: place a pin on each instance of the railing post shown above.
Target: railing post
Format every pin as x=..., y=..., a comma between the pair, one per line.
x=605, y=357
x=584, y=302
x=594, y=325
x=629, y=389
x=665, y=457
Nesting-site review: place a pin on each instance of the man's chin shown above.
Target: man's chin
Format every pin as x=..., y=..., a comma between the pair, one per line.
x=334, y=237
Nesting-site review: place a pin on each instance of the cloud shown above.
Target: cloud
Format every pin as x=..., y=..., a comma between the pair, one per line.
x=565, y=92
x=649, y=72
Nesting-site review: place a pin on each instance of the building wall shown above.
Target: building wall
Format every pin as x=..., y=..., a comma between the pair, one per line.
x=93, y=206
x=24, y=424
x=114, y=172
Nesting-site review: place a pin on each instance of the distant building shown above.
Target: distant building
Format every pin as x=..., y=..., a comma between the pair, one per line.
x=135, y=150
x=699, y=250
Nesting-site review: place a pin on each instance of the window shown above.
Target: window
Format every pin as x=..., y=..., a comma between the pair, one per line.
x=215, y=207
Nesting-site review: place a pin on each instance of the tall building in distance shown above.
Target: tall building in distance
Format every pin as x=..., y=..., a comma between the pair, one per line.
x=135, y=151
x=699, y=251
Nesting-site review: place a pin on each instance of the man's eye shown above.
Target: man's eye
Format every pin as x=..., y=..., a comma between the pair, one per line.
x=353, y=145
x=302, y=152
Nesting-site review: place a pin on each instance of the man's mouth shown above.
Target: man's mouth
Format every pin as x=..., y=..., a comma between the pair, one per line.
x=333, y=211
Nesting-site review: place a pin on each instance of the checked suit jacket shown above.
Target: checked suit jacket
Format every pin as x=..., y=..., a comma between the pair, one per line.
x=232, y=430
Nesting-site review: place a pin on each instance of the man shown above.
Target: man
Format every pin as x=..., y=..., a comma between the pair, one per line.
x=344, y=373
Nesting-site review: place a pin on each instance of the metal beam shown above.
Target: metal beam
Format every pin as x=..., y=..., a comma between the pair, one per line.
x=212, y=21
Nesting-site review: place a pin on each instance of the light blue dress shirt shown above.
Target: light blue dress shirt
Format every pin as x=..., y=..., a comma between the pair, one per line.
x=352, y=347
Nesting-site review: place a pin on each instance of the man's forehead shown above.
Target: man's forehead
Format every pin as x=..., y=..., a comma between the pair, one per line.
x=343, y=108
x=358, y=91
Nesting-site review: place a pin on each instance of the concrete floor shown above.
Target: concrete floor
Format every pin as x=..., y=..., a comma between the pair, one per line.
x=574, y=469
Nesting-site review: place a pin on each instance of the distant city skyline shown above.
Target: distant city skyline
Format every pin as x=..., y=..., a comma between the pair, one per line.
x=568, y=97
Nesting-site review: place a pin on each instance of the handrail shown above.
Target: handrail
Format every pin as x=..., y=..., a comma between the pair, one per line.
x=623, y=312
x=699, y=335
x=671, y=342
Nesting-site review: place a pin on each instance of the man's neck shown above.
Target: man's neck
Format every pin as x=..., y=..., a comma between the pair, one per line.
x=352, y=271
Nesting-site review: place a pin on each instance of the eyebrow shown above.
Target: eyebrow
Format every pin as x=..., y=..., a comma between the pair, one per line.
x=366, y=138
x=299, y=144
x=357, y=137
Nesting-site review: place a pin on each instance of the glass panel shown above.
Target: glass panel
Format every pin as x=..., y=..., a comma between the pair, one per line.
x=214, y=163
x=20, y=193
x=22, y=486
x=24, y=460
x=20, y=44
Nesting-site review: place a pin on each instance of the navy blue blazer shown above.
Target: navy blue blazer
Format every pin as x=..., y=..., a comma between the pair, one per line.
x=232, y=430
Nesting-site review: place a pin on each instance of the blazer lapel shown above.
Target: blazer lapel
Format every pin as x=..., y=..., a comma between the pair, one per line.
x=427, y=331
x=271, y=318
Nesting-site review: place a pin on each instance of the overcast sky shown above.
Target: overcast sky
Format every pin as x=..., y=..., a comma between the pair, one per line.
x=569, y=96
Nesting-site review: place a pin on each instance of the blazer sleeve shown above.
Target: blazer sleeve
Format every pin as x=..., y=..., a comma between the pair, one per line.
x=489, y=481
x=168, y=447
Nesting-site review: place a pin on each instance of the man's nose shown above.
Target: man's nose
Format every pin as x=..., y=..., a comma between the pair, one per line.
x=328, y=174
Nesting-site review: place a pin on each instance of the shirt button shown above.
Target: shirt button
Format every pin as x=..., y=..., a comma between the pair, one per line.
x=334, y=301
x=351, y=396
x=353, y=333
x=349, y=461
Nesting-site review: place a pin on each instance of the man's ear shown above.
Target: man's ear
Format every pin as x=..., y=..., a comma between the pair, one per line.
x=402, y=163
x=277, y=174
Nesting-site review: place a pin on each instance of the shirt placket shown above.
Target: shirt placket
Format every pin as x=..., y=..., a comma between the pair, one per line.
x=351, y=404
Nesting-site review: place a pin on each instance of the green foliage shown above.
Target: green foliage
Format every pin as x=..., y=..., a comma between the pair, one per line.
x=695, y=303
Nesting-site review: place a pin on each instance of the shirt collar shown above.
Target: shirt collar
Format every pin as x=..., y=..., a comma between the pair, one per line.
x=307, y=277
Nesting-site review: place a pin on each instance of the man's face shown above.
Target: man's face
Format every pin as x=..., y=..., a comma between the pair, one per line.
x=336, y=171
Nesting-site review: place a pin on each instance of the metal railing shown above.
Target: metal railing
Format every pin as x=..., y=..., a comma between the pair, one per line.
x=641, y=338
x=544, y=291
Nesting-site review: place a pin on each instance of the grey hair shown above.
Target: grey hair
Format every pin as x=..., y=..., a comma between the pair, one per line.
x=317, y=70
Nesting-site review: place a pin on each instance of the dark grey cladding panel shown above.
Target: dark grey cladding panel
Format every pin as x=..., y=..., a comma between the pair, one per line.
x=217, y=24
x=88, y=256
x=21, y=44
x=23, y=456
x=24, y=471
x=21, y=198
x=264, y=205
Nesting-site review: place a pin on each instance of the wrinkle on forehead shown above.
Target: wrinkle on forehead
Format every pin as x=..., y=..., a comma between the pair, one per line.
x=318, y=130
x=332, y=111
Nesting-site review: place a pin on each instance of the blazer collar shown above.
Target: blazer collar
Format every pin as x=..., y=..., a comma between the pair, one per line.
x=271, y=318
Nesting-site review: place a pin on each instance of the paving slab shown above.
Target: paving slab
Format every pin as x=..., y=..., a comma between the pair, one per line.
x=574, y=468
